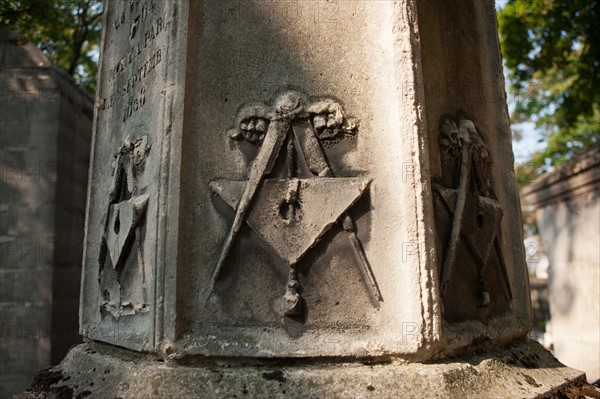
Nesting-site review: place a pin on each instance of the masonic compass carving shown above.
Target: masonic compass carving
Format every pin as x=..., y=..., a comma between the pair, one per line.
x=122, y=273
x=466, y=198
x=291, y=213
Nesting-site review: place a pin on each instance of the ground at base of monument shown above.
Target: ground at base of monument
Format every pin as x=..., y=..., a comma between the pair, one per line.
x=521, y=370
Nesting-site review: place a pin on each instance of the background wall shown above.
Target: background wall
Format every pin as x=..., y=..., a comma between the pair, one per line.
x=568, y=217
x=45, y=133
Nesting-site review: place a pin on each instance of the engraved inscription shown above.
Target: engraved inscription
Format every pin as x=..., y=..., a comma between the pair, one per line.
x=125, y=62
x=133, y=10
x=127, y=76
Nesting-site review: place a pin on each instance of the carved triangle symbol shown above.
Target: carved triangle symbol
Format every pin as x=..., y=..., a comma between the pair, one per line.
x=292, y=229
x=481, y=220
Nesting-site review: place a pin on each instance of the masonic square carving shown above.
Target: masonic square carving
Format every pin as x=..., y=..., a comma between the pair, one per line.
x=291, y=197
x=474, y=280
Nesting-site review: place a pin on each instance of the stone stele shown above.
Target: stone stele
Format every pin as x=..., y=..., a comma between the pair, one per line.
x=324, y=189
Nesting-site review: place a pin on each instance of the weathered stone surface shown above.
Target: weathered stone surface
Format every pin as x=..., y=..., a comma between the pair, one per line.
x=522, y=370
x=303, y=199
x=252, y=114
x=134, y=165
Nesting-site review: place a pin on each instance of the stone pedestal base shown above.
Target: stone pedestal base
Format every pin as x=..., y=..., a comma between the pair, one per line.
x=91, y=370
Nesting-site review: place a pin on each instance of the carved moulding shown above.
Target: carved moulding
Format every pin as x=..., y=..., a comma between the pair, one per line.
x=474, y=281
x=122, y=270
x=290, y=207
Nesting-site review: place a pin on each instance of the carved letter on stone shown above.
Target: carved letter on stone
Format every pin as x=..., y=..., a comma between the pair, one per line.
x=289, y=212
x=121, y=278
x=475, y=214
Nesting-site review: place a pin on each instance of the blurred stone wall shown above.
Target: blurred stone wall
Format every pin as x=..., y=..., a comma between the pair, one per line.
x=568, y=216
x=45, y=135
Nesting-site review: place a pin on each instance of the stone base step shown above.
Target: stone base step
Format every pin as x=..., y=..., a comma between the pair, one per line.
x=93, y=370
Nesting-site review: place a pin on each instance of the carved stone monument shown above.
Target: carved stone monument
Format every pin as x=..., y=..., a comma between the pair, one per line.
x=329, y=183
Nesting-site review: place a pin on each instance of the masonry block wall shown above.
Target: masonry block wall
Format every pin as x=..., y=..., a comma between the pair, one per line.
x=567, y=203
x=45, y=132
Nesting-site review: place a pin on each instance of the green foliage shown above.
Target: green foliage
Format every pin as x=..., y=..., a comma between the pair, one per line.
x=67, y=31
x=526, y=174
x=552, y=50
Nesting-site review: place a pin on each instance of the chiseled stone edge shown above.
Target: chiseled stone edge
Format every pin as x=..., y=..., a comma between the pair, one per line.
x=92, y=370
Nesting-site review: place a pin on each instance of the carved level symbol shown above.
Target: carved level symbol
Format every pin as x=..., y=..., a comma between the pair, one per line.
x=291, y=214
x=290, y=209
